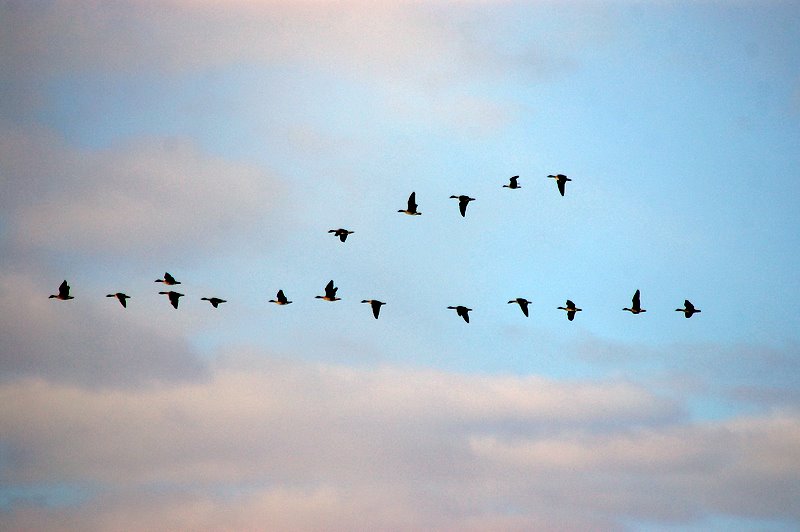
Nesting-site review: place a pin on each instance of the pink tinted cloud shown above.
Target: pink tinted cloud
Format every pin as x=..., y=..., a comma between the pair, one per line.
x=152, y=196
x=321, y=445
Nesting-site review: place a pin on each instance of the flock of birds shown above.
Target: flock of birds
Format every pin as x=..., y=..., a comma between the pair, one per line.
x=330, y=290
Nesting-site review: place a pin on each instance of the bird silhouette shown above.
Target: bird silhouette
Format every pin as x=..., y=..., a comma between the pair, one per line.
x=636, y=306
x=463, y=201
x=63, y=292
x=412, y=206
x=341, y=233
x=688, y=309
x=281, y=299
x=173, y=297
x=462, y=311
x=561, y=180
x=168, y=280
x=376, y=306
x=122, y=298
x=215, y=301
x=571, y=310
x=523, y=304
x=512, y=183
x=330, y=292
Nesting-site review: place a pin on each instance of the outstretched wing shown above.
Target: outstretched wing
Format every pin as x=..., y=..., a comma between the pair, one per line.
x=636, y=304
x=561, y=184
x=282, y=297
x=412, y=202
x=168, y=278
x=63, y=289
x=462, y=206
x=688, y=305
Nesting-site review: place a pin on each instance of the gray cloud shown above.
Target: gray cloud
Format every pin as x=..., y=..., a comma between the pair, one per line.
x=304, y=445
x=85, y=344
x=158, y=196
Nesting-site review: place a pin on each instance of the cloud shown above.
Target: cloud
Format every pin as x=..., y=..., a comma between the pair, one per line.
x=85, y=344
x=152, y=196
x=275, y=441
x=395, y=39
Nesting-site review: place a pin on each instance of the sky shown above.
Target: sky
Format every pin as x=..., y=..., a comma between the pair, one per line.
x=221, y=141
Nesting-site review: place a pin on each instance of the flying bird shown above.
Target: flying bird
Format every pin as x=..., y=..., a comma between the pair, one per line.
x=173, y=297
x=571, y=310
x=636, y=306
x=463, y=201
x=523, y=304
x=168, y=280
x=122, y=298
x=688, y=309
x=330, y=293
x=63, y=292
x=512, y=183
x=462, y=311
x=281, y=299
x=341, y=233
x=376, y=306
x=215, y=301
x=561, y=179
x=412, y=206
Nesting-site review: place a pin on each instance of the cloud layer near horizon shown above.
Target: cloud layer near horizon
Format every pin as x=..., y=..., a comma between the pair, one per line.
x=304, y=445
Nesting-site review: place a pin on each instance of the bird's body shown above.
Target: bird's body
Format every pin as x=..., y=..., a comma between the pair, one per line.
x=462, y=311
x=523, y=304
x=463, y=201
x=168, y=280
x=376, y=306
x=512, y=182
x=122, y=298
x=215, y=301
x=173, y=297
x=571, y=310
x=63, y=292
x=561, y=180
x=330, y=293
x=281, y=299
x=341, y=233
x=688, y=309
x=636, y=306
x=411, y=209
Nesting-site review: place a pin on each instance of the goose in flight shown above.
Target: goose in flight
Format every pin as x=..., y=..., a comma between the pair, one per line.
x=281, y=299
x=121, y=298
x=63, y=292
x=173, y=297
x=463, y=201
x=341, y=233
x=330, y=293
x=571, y=310
x=376, y=306
x=215, y=301
x=512, y=183
x=168, y=280
x=412, y=206
x=523, y=304
x=636, y=306
x=462, y=311
x=688, y=309
x=561, y=179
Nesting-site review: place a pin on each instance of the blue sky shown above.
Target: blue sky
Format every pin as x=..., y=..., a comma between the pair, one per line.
x=221, y=144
